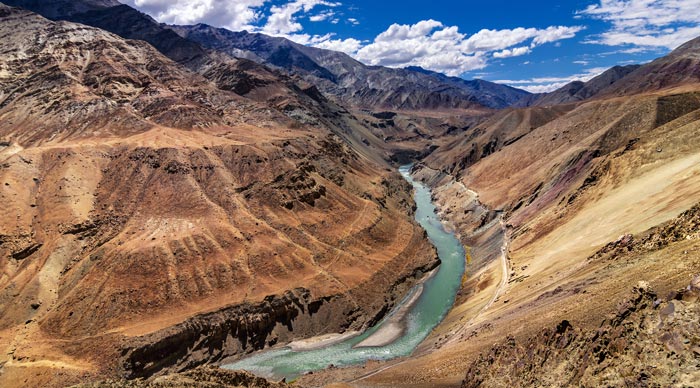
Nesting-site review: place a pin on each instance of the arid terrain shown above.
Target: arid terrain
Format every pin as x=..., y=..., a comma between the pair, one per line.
x=164, y=210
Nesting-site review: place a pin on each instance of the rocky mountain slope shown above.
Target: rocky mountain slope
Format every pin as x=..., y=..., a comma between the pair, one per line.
x=649, y=341
x=64, y=81
x=147, y=205
x=579, y=91
x=680, y=67
x=240, y=76
x=274, y=84
x=112, y=16
x=637, y=83
x=486, y=93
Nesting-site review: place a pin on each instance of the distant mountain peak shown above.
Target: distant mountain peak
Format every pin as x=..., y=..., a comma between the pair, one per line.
x=420, y=69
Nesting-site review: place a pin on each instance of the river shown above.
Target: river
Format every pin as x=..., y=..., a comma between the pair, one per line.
x=419, y=319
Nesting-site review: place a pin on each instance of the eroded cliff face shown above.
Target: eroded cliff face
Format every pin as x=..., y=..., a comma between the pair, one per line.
x=139, y=240
x=230, y=331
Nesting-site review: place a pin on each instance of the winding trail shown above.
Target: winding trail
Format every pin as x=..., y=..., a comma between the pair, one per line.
x=505, y=274
x=505, y=270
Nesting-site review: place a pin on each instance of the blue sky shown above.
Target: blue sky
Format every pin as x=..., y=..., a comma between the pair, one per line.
x=535, y=45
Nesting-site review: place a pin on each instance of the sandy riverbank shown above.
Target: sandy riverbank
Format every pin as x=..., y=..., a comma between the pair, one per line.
x=395, y=325
x=321, y=341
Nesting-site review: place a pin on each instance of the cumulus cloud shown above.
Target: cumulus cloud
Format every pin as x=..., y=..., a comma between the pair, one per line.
x=548, y=84
x=283, y=19
x=232, y=14
x=646, y=23
x=236, y=15
x=491, y=40
x=322, y=16
x=514, y=52
x=348, y=46
x=434, y=46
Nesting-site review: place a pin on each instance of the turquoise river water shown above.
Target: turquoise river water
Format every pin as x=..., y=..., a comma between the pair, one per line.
x=434, y=303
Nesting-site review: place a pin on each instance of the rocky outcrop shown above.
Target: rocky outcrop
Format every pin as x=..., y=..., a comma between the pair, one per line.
x=299, y=186
x=648, y=342
x=684, y=227
x=213, y=336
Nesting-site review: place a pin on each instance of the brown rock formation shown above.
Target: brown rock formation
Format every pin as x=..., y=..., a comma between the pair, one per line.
x=648, y=342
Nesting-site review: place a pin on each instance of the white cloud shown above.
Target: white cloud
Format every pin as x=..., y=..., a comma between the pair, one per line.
x=548, y=84
x=492, y=40
x=403, y=32
x=322, y=16
x=432, y=45
x=646, y=23
x=543, y=88
x=283, y=20
x=554, y=34
x=348, y=46
x=514, y=52
x=232, y=14
x=353, y=21
x=238, y=15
